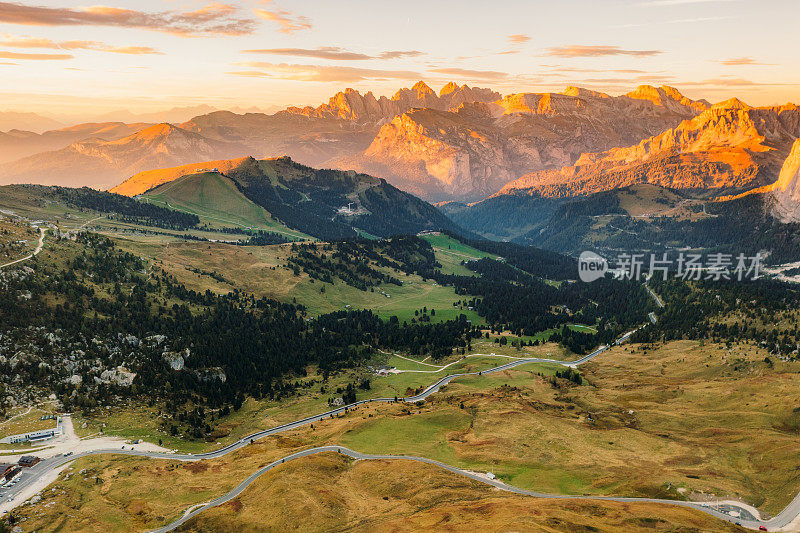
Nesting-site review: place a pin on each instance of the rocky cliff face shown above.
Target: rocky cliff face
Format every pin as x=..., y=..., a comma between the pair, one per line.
x=352, y=105
x=786, y=191
x=728, y=148
x=474, y=150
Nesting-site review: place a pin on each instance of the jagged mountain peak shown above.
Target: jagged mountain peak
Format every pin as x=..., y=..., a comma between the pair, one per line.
x=451, y=87
x=422, y=88
x=731, y=103
x=580, y=92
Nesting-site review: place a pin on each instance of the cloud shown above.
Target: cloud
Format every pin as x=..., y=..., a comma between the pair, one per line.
x=213, y=19
x=34, y=42
x=334, y=53
x=739, y=61
x=466, y=73
x=286, y=20
x=729, y=82
x=324, y=73
x=577, y=50
x=519, y=38
x=16, y=55
x=656, y=3
x=326, y=52
x=559, y=68
x=397, y=54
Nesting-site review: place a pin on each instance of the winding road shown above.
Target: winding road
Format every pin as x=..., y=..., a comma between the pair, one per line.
x=38, y=249
x=790, y=513
x=52, y=465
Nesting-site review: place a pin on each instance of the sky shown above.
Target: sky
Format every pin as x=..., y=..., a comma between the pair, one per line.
x=81, y=58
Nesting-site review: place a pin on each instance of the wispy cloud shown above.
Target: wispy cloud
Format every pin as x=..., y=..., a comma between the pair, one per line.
x=17, y=55
x=656, y=3
x=519, y=38
x=739, y=61
x=334, y=53
x=467, y=73
x=577, y=50
x=35, y=42
x=560, y=68
x=398, y=54
x=287, y=21
x=323, y=73
x=326, y=52
x=213, y=19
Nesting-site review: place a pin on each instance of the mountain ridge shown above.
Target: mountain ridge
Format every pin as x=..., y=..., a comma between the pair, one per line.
x=470, y=153
x=329, y=204
x=729, y=147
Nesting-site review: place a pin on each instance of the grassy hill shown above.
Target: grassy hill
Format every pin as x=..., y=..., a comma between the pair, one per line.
x=327, y=204
x=215, y=199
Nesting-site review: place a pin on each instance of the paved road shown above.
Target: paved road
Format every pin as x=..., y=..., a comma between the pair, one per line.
x=659, y=303
x=197, y=509
x=38, y=249
x=30, y=475
x=790, y=513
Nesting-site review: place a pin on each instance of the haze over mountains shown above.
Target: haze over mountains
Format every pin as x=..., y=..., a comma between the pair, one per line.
x=462, y=143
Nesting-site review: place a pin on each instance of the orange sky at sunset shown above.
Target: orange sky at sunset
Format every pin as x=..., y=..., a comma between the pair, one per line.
x=62, y=60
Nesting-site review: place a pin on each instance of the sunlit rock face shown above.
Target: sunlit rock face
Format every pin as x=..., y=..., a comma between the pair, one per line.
x=470, y=152
x=729, y=148
x=786, y=190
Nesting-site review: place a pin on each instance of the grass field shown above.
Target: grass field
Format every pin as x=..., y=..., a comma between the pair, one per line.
x=17, y=240
x=330, y=492
x=25, y=420
x=216, y=200
x=450, y=252
x=675, y=421
x=261, y=271
x=655, y=423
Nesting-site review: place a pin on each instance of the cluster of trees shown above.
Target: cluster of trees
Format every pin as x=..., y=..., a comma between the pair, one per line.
x=342, y=261
x=265, y=238
x=125, y=209
x=512, y=299
x=356, y=261
x=728, y=311
x=535, y=261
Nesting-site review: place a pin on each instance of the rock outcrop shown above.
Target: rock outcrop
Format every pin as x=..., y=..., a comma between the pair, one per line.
x=474, y=150
x=352, y=105
x=728, y=148
x=786, y=191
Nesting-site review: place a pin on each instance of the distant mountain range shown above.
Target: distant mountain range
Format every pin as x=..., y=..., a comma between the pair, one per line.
x=518, y=156
x=470, y=152
x=100, y=163
x=730, y=147
x=13, y=120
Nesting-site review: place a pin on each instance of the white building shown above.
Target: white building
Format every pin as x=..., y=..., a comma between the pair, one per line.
x=35, y=436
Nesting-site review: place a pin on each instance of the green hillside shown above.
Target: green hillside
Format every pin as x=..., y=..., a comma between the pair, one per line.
x=217, y=202
x=450, y=252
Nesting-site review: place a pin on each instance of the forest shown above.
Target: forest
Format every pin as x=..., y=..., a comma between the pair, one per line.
x=763, y=312
x=100, y=316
